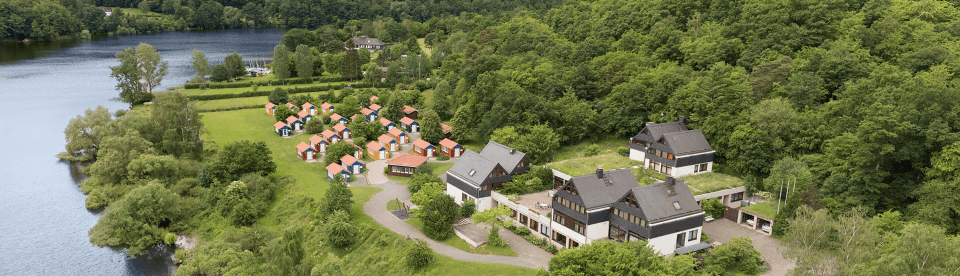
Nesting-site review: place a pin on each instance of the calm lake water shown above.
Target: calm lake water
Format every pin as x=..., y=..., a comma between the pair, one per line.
x=43, y=221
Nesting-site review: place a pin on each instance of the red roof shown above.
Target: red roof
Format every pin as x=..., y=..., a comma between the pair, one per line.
x=375, y=106
x=316, y=139
x=336, y=117
x=386, y=139
x=303, y=113
x=307, y=106
x=406, y=121
x=328, y=134
x=421, y=143
x=290, y=105
x=339, y=127
x=374, y=145
x=303, y=147
x=374, y=98
x=448, y=143
x=385, y=122
x=271, y=105
x=355, y=145
x=408, y=160
x=292, y=119
x=334, y=167
x=348, y=159
x=354, y=117
x=408, y=109
x=366, y=111
x=395, y=132
x=280, y=125
x=445, y=127
x=326, y=106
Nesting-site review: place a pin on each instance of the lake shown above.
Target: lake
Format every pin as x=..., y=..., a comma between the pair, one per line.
x=43, y=221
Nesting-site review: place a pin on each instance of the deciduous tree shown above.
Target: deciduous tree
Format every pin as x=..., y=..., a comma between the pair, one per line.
x=281, y=62
x=304, y=62
x=137, y=221
x=199, y=64
x=139, y=72
x=430, y=129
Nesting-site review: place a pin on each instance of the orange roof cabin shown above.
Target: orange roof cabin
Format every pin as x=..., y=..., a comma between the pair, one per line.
x=326, y=108
x=375, y=107
x=304, y=116
x=333, y=169
x=405, y=164
x=281, y=128
x=318, y=143
x=358, y=152
x=342, y=131
x=447, y=130
x=398, y=135
x=270, y=108
x=370, y=115
x=336, y=118
x=387, y=124
x=306, y=152
x=376, y=151
x=353, y=118
x=450, y=148
x=352, y=164
x=308, y=107
x=410, y=112
x=292, y=107
x=374, y=98
x=424, y=148
x=294, y=123
x=330, y=136
x=409, y=124
x=387, y=141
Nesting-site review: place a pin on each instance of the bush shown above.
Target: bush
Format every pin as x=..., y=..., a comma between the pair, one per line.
x=712, y=207
x=338, y=231
x=314, y=126
x=494, y=239
x=738, y=255
x=420, y=255
x=469, y=207
x=521, y=231
x=623, y=151
x=443, y=157
x=592, y=150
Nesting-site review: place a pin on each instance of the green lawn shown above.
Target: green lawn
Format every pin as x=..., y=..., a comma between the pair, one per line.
x=392, y=205
x=423, y=45
x=458, y=243
x=607, y=144
x=135, y=11
x=588, y=165
x=711, y=182
x=231, y=103
x=766, y=209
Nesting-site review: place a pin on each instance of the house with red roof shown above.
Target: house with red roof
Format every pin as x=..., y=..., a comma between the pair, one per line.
x=318, y=143
x=330, y=136
x=375, y=107
x=447, y=130
x=304, y=116
x=337, y=119
x=270, y=108
x=342, y=131
x=405, y=164
x=353, y=118
x=409, y=124
x=352, y=164
x=333, y=169
x=281, y=128
x=326, y=108
x=368, y=114
x=387, y=141
x=410, y=112
x=308, y=107
x=294, y=123
x=450, y=148
x=292, y=107
x=377, y=151
x=305, y=151
x=358, y=153
x=398, y=135
x=424, y=148
x=374, y=99
x=387, y=124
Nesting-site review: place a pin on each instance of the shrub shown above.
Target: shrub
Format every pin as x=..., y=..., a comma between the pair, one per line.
x=521, y=231
x=738, y=254
x=469, y=207
x=443, y=157
x=338, y=230
x=623, y=151
x=494, y=239
x=712, y=207
x=592, y=150
x=420, y=255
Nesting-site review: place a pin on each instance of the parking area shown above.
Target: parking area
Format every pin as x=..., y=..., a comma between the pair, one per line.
x=723, y=231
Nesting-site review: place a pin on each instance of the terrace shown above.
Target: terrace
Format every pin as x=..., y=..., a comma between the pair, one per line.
x=711, y=182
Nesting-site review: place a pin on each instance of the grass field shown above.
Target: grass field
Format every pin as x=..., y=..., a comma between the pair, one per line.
x=765, y=209
x=230, y=103
x=135, y=11
x=712, y=182
x=587, y=165
x=458, y=243
x=607, y=144
x=423, y=45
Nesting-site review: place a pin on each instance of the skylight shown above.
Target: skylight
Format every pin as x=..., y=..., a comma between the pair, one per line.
x=676, y=205
x=472, y=172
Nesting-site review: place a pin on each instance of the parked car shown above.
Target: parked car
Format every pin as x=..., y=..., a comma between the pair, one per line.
x=766, y=227
x=708, y=218
x=750, y=222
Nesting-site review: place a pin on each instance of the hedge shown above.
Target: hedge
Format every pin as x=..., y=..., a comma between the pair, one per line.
x=267, y=92
x=325, y=79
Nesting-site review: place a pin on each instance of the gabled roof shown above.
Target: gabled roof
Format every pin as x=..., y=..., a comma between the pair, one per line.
x=407, y=121
x=334, y=167
x=445, y=128
x=328, y=134
x=271, y=105
x=597, y=192
x=349, y=159
x=422, y=143
x=407, y=109
x=339, y=127
x=374, y=145
x=280, y=125
x=385, y=122
x=656, y=201
x=354, y=117
x=326, y=105
x=366, y=111
x=307, y=105
x=292, y=119
x=472, y=161
x=366, y=40
x=303, y=113
x=354, y=145
x=395, y=132
x=316, y=139
x=687, y=142
x=408, y=160
x=507, y=157
x=375, y=107
x=290, y=105
x=657, y=130
x=335, y=117
x=303, y=147
x=374, y=98
x=448, y=143
x=386, y=139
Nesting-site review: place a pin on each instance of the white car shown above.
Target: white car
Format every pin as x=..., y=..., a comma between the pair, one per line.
x=750, y=222
x=766, y=227
x=708, y=218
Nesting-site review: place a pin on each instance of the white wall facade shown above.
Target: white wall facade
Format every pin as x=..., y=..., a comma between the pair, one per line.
x=690, y=170
x=637, y=155
x=569, y=233
x=667, y=244
x=598, y=231
x=457, y=194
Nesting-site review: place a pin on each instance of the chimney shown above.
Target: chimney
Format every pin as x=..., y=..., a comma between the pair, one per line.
x=671, y=185
x=683, y=120
x=513, y=150
x=599, y=172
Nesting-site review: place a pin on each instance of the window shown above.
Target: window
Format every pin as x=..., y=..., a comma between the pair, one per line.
x=464, y=197
x=736, y=197
x=670, y=156
x=693, y=235
x=523, y=219
x=574, y=244
x=676, y=205
x=617, y=234
x=703, y=167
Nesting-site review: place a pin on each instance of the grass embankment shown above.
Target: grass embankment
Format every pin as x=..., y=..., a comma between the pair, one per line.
x=458, y=243
x=712, y=182
x=135, y=11
x=378, y=251
x=588, y=165
x=607, y=144
x=765, y=209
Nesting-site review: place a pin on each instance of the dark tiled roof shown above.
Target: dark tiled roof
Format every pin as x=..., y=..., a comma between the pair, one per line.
x=657, y=130
x=656, y=201
x=596, y=192
x=687, y=142
x=365, y=40
x=507, y=157
x=472, y=161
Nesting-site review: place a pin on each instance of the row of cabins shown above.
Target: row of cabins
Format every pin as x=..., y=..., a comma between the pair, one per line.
x=349, y=165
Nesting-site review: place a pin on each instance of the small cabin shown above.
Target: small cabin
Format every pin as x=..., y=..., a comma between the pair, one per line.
x=398, y=135
x=410, y=112
x=424, y=148
x=409, y=124
x=405, y=164
x=326, y=108
x=387, y=141
x=337, y=119
x=305, y=152
x=281, y=128
x=447, y=130
x=292, y=107
x=374, y=99
x=352, y=164
x=310, y=109
x=294, y=123
x=450, y=148
x=304, y=116
x=369, y=115
x=342, y=131
x=333, y=169
x=376, y=108
x=387, y=124
x=358, y=151
x=377, y=151
x=330, y=136
x=270, y=108
x=318, y=143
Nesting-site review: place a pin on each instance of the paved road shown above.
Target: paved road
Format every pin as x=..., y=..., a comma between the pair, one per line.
x=723, y=230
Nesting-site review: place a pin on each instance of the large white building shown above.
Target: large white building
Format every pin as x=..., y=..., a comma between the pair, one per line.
x=672, y=149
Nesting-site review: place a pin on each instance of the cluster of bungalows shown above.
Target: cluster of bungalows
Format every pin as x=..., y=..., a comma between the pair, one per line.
x=292, y=123
x=349, y=165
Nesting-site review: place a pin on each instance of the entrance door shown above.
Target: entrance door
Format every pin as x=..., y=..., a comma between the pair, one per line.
x=680, y=239
x=415, y=128
x=429, y=152
x=356, y=169
x=456, y=152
